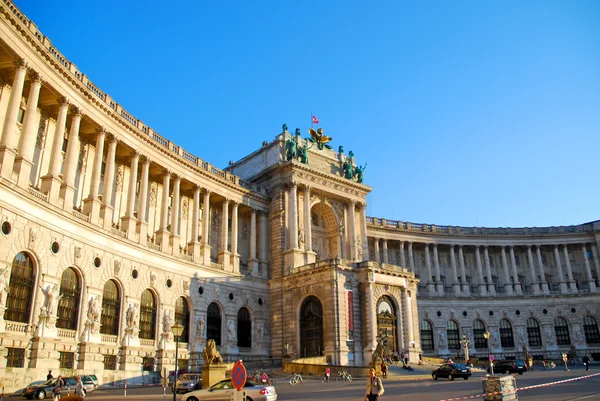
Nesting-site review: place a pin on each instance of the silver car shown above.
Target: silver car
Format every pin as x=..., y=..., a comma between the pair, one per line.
x=188, y=382
x=223, y=391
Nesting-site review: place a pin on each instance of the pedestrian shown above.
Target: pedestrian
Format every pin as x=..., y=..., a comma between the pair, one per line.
x=406, y=358
x=420, y=358
x=58, y=386
x=374, y=387
x=586, y=362
x=327, y=374
x=79, y=388
x=384, y=369
x=49, y=376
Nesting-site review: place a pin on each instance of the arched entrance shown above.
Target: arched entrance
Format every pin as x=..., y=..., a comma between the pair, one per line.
x=386, y=324
x=311, y=327
x=325, y=231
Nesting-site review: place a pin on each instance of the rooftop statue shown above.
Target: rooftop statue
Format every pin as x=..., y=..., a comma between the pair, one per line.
x=291, y=148
x=359, y=173
x=318, y=138
x=341, y=150
x=303, y=152
x=284, y=128
x=348, y=171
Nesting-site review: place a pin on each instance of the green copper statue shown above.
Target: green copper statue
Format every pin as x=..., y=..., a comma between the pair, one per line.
x=284, y=128
x=359, y=173
x=348, y=173
x=291, y=148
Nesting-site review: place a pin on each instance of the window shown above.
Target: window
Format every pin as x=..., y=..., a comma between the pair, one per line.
x=147, y=316
x=244, y=328
x=110, y=362
x=590, y=328
x=426, y=335
x=111, y=304
x=453, y=335
x=478, y=330
x=561, y=330
x=213, y=323
x=68, y=304
x=15, y=358
x=148, y=364
x=534, y=336
x=20, y=289
x=506, y=334
x=66, y=360
x=21, y=115
x=182, y=316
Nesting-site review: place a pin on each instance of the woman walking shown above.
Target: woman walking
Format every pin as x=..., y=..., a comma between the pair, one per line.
x=374, y=387
x=79, y=388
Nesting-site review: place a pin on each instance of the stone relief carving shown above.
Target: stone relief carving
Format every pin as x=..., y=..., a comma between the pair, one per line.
x=77, y=253
x=119, y=178
x=153, y=278
x=39, y=142
x=245, y=230
x=184, y=208
x=231, y=330
x=132, y=316
x=33, y=236
x=117, y=267
x=153, y=189
x=82, y=156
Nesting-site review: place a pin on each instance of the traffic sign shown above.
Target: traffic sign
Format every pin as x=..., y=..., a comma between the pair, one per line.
x=491, y=358
x=238, y=375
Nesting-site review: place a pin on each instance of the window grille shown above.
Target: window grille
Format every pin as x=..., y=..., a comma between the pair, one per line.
x=534, y=336
x=244, y=328
x=182, y=316
x=561, y=330
x=506, y=334
x=453, y=335
x=20, y=289
x=590, y=328
x=478, y=330
x=213, y=323
x=110, y=362
x=68, y=304
x=111, y=304
x=147, y=316
x=66, y=360
x=426, y=336
x=15, y=358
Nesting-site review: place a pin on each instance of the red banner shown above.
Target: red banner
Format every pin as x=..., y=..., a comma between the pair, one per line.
x=350, y=310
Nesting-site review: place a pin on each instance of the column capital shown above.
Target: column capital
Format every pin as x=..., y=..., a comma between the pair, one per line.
x=293, y=184
x=112, y=137
x=427, y=245
x=145, y=159
x=460, y=247
x=176, y=177
x=135, y=153
x=207, y=191
x=101, y=131
x=35, y=76
x=76, y=111
x=307, y=187
x=21, y=63
x=486, y=247
x=196, y=188
x=63, y=101
x=166, y=171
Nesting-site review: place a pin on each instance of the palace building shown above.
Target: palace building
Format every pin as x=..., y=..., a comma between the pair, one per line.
x=111, y=234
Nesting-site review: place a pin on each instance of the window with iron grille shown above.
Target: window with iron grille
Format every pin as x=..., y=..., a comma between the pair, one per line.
x=182, y=316
x=426, y=335
x=453, y=335
x=561, y=330
x=66, y=360
x=478, y=330
x=506, y=334
x=148, y=363
x=111, y=304
x=15, y=358
x=534, y=335
x=110, y=362
x=213, y=323
x=590, y=328
x=147, y=316
x=68, y=304
x=244, y=328
x=20, y=290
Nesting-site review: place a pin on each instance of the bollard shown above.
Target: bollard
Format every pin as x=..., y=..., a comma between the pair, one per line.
x=69, y=390
x=164, y=392
x=125, y=390
x=2, y=395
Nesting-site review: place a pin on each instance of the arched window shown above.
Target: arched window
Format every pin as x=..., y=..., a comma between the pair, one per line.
x=506, y=334
x=311, y=327
x=20, y=290
x=111, y=306
x=426, y=335
x=478, y=330
x=561, y=330
x=68, y=304
x=148, y=316
x=213, y=323
x=534, y=335
x=453, y=335
x=182, y=316
x=244, y=328
x=590, y=328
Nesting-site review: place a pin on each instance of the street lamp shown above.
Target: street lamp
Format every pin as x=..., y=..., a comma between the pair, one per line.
x=486, y=335
x=177, y=330
x=465, y=343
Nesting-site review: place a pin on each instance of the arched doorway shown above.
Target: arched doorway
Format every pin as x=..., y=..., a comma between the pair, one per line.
x=213, y=323
x=386, y=324
x=325, y=231
x=311, y=327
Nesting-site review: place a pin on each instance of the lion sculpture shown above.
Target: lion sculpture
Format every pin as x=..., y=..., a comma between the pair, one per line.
x=379, y=354
x=210, y=353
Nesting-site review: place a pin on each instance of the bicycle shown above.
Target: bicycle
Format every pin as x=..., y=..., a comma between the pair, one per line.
x=296, y=378
x=344, y=376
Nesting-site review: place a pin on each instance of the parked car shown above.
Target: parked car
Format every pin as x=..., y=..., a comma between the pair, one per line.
x=94, y=379
x=44, y=390
x=22, y=390
x=188, y=382
x=451, y=371
x=519, y=366
x=224, y=390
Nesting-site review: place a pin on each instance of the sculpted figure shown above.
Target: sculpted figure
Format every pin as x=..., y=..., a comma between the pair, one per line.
x=210, y=354
x=359, y=173
x=284, y=128
x=347, y=167
x=378, y=354
x=200, y=329
x=94, y=309
x=231, y=330
x=52, y=298
x=3, y=288
x=132, y=316
x=167, y=322
x=261, y=332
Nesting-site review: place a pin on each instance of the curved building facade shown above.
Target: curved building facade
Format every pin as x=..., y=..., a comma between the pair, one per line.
x=111, y=234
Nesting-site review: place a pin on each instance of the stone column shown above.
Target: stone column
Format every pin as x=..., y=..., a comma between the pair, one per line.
x=508, y=286
x=461, y=262
x=596, y=261
x=129, y=221
x=293, y=217
x=51, y=181
x=194, y=245
x=370, y=322
x=385, y=251
x=307, y=222
x=252, y=261
x=409, y=318
x=206, y=248
x=482, y=285
x=352, y=227
x=428, y=282
x=411, y=257
x=67, y=189
x=91, y=205
x=488, y=269
x=263, y=259
x=162, y=235
x=376, y=246
x=175, y=237
x=588, y=270
x=561, y=277
x=545, y=288
x=438, y=276
x=402, y=255
x=513, y=261
x=363, y=223
x=8, y=142
x=24, y=160
x=534, y=280
x=572, y=284
x=143, y=201
x=455, y=283
x=107, y=208
x=224, y=256
x=235, y=256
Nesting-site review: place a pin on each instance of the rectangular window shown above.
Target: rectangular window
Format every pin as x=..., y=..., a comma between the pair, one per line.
x=426, y=340
x=534, y=336
x=453, y=339
x=110, y=362
x=66, y=360
x=148, y=363
x=15, y=358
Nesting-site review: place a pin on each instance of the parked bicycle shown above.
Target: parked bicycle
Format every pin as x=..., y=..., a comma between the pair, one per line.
x=296, y=378
x=344, y=376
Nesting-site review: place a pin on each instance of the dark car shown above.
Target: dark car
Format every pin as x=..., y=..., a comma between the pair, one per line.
x=504, y=366
x=451, y=371
x=44, y=390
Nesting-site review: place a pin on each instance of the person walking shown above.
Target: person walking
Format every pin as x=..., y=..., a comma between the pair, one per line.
x=384, y=369
x=79, y=388
x=49, y=376
x=58, y=386
x=586, y=361
x=327, y=374
x=374, y=387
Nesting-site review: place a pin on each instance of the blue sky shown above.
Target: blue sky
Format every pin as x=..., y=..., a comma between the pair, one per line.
x=472, y=113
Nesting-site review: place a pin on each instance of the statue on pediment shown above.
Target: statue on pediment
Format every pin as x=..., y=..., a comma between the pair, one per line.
x=319, y=138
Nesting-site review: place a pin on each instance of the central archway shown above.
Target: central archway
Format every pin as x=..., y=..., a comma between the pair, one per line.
x=311, y=327
x=325, y=231
x=386, y=324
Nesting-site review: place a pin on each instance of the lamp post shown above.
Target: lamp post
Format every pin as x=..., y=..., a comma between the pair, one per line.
x=177, y=330
x=486, y=335
x=465, y=343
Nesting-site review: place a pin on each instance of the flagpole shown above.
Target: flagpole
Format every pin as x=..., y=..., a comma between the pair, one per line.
x=311, y=120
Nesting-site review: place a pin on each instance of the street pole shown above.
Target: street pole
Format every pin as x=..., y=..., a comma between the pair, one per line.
x=177, y=330
x=486, y=335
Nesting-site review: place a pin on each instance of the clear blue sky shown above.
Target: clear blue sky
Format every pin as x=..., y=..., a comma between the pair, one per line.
x=472, y=113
